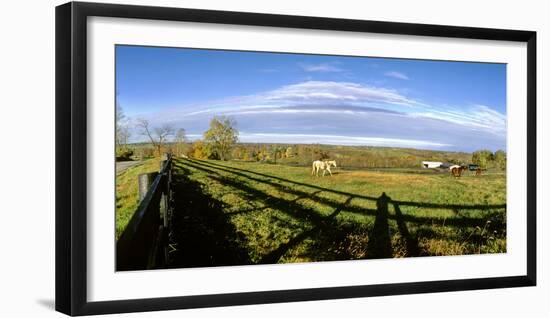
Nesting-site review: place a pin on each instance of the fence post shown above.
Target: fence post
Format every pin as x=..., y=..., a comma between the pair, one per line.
x=164, y=197
x=144, y=183
x=165, y=205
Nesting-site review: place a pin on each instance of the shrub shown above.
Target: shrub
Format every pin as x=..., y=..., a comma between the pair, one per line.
x=124, y=154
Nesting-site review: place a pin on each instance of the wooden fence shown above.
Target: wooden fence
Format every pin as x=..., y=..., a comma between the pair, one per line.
x=143, y=244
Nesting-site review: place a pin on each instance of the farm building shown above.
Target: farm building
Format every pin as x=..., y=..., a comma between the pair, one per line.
x=431, y=164
x=473, y=167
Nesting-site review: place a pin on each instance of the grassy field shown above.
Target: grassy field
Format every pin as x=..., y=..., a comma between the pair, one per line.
x=127, y=196
x=237, y=212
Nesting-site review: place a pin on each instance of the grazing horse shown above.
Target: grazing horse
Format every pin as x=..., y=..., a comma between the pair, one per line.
x=322, y=165
x=457, y=171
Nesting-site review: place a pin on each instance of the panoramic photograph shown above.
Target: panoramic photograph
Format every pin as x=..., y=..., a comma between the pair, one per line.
x=226, y=158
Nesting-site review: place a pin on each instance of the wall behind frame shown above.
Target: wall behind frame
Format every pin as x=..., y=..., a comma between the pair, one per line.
x=27, y=133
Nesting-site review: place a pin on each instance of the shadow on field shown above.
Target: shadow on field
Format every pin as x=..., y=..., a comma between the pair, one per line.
x=205, y=237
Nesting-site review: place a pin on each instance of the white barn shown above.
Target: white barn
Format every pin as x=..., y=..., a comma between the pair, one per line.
x=431, y=164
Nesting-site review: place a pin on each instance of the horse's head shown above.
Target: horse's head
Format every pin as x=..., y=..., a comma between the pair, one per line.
x=332, y=162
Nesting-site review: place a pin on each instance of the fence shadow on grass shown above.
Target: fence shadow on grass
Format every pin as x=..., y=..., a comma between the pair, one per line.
x=203, y=236
x=210, y=239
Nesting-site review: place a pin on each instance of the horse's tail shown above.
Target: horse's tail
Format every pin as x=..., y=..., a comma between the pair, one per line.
x=313, y=168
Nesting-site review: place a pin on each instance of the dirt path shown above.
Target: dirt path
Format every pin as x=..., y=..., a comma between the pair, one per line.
x=123, y=165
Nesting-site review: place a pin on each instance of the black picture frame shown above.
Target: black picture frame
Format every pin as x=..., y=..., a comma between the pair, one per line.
x=71, y=157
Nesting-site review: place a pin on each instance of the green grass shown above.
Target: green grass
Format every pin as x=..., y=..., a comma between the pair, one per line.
x=127, y=195
x=279, y=213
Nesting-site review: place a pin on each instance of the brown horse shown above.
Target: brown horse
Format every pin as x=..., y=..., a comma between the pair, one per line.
x=457, y=171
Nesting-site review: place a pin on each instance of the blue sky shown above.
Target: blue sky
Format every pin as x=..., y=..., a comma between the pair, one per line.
x=301, y=98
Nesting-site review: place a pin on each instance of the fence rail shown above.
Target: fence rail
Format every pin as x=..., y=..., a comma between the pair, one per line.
x=143, y=244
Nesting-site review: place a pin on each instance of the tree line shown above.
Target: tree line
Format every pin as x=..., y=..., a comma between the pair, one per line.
x=217, y=141
x=487, y=159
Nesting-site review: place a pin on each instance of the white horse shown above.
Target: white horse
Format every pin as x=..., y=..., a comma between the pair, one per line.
x=322, y=165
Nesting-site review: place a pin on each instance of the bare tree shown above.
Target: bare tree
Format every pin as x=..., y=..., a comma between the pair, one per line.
x=277, y=152
x=122, y=131
x=124, y=135
x=180, y=141
x=157, y=135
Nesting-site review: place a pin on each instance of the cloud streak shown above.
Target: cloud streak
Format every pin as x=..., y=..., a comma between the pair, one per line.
x=398, y=75
x=312, y=93
x=322, y=92
x=479, y=117
x=323, y=67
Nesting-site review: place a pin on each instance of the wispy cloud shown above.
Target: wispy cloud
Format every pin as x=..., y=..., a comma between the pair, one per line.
x=479, y=117
x=308, y=93
x=310, y=109
x=398, y=75
x=347, y=113
x=323, y=92
x=323, y=67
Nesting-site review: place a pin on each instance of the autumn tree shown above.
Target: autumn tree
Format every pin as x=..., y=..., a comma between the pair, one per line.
x=199, y=150
x=157, y=135
x=482, y=158
x=289, y=152
x=320, y=154
x=221, y=136
x=238, y=153
x=246, y=155
x=263, y=154
x=500, y=159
